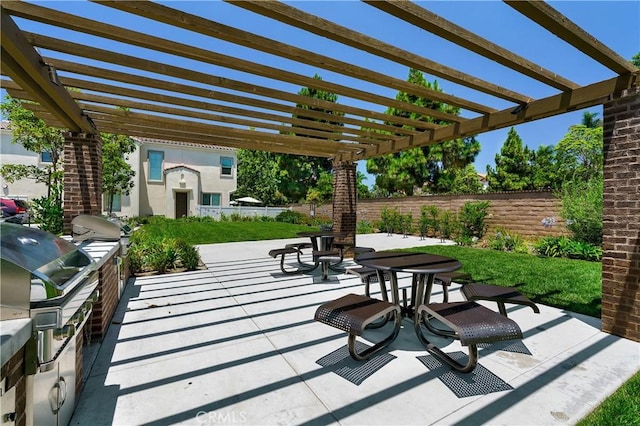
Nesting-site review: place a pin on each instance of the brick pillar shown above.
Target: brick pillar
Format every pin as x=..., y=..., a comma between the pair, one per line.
x=82, y=176
x=621, y=216
x=344, y=200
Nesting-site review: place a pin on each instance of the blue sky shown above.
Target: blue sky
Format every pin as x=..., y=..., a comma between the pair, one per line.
x=614, y=23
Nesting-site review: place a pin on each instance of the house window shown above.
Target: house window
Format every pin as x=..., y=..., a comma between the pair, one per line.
x=117, y=203
x=226, y=166
x=45, y=157
x=155, y=165
x=210, y=199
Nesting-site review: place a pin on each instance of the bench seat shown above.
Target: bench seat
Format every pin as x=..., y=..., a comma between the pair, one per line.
x=282, y=252
x=352, y=313
x=326, y=258
x=472, y=324
x=498, y=294
x=368, y=276
x=446, y=278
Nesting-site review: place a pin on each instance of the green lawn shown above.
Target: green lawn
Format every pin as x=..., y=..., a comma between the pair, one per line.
x=574, y=285
x=210, y=232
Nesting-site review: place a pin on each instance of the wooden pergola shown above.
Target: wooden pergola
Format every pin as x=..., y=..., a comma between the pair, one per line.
x=272, y=121
x=188, y=105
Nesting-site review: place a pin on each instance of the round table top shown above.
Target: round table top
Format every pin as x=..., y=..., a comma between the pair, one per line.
x=320, y=234
x=410, y=262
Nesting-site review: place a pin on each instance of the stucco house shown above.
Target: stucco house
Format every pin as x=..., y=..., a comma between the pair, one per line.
x=175, y=178
x=172, y=179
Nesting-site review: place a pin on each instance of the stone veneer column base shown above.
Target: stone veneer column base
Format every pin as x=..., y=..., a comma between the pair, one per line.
x=621, y=217
x=82, y=176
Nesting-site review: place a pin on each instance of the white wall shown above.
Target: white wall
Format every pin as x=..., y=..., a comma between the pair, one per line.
x=13, y=153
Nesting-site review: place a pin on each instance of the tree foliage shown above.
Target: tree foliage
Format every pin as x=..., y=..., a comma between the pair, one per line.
x=579, y=153
x=259, y=176
x=35, y=136
x=299, y=173
x=512, y=172
x=432, y=166
x=117, y=174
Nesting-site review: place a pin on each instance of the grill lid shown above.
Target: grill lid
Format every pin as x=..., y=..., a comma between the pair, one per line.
x=45, y=255
x=87, y=227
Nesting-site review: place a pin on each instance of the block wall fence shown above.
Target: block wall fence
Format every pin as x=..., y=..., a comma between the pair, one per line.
x=519, y=212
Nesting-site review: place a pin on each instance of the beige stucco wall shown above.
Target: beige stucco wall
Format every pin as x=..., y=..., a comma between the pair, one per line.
x=158, y=198
x=11, y=153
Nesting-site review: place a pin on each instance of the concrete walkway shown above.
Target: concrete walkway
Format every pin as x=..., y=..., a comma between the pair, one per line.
x=237, y=344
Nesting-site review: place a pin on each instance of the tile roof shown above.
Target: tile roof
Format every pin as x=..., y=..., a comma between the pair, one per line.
x=178, y=143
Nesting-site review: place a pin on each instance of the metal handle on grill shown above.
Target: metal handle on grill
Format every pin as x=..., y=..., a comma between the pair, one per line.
x=60, y=389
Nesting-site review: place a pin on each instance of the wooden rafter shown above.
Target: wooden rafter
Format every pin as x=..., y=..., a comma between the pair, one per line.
x=314, y=24
x=207, y=27
x=561, y=26
x=23, y=64
x=422, y=18
x=200, y=77
x=139, y=39
x=193, y=105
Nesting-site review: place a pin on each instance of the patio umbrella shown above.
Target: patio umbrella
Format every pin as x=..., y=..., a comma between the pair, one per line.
x=249, y=200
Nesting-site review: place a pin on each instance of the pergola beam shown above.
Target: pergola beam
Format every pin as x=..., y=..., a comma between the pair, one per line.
x=583, y=97
x=428, y=21
x=322, y=27
x=25, y=66
x=139, y=39
x=561, y=26
x=200, y=25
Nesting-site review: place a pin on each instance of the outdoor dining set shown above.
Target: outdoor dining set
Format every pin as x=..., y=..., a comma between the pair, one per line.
x=467, y=321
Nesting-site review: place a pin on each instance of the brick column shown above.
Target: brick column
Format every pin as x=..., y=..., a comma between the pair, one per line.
x=82, y=176
x=344, y=200
x=621, y=217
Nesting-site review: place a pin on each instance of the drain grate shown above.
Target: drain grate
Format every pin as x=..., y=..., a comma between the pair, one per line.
x=479, y=382
x=348, y=368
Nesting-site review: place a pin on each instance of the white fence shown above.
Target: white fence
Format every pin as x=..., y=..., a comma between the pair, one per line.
x=217, y=212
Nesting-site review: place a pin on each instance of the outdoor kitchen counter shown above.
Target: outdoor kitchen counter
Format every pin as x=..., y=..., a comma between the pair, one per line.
x=100, y=251
x=14, y=335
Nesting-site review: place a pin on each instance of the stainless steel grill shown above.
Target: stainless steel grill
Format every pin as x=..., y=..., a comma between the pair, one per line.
x=53, y=282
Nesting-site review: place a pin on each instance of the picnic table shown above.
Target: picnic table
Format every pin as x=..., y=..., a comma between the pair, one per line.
x=323, y=251
x=467, y=321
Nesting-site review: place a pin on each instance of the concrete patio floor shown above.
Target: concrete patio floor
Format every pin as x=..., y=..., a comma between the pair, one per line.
x=237, y=344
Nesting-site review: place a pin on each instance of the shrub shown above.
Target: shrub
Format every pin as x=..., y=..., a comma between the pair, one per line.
x=291, y=216
x=406, y=223
x=565, y=247
x=235, y=217
x=390, y=220
x=446, y=223
x=188, y=255
x=364, y=227
x=135, y=257
x=582, y=209
x=48, y=212
x=472, y=217
x=429, y=225
x=152, y=254
x=505, y=240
